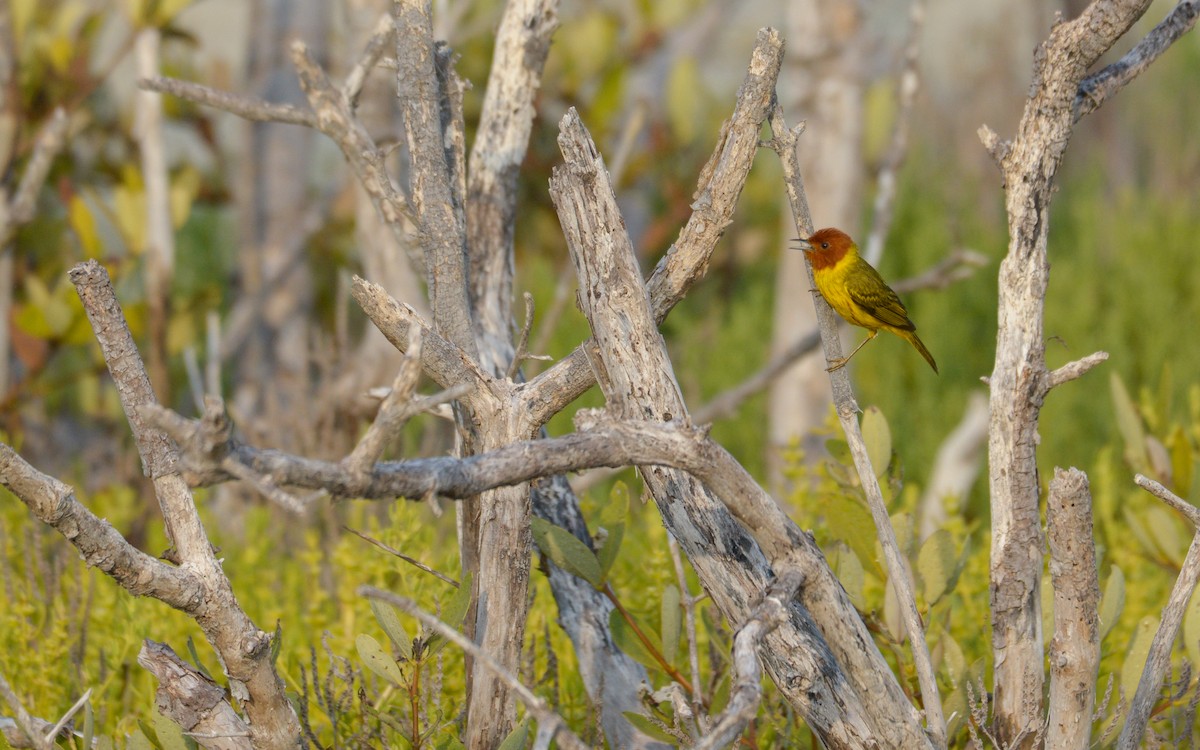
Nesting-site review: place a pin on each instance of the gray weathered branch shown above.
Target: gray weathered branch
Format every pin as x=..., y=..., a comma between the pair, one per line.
x=1019, y=381
x=1075, y=647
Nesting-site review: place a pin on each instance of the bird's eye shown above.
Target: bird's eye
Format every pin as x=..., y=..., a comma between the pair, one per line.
x=824, y=245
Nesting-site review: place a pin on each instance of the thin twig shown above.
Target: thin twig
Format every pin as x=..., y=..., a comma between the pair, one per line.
x=898, y=572
x=689, y=610
x=523, y=341
x=1098, y=87
x=381, y=37
x=746, y=693
x=62, y=723
x=411, y=561
x=246, y=107
x=906, y=96
x=1074, y=370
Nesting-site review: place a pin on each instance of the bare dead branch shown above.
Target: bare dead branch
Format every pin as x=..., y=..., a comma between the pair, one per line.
x=1103, y=84
x=1074, y=370
x=210, y=719
x=446, y=363
x=333, y=116
x=546, y=718
x=437, y=208
x=501, y=142
x=381, y=38
x=686, y=261
x=1189, y=511
x=523, y=341
x=1019, y=379
x=746, y=693
x=906, y=97
x=102, y=547
x=1075, y=647
x=393, y=412
x=635, y=374
x=1158, y=661
x=49, y=142
x=246, y=107
x=244, y=649
x=899, y=576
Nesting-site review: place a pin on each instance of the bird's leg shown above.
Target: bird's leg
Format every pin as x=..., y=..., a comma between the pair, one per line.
x=838, y=364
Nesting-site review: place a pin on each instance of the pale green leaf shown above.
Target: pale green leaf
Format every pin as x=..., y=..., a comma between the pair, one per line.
x=377, y=660
x=937, y=564
x=1191, y=629
x=1113, y=601
x=1130, y=424
x=567, y=552
x=627, y=640
x=385, y=615
x=138, y=741
x=878, y=438
x=518, y=737
x=851, y=523
x=672, y=621
x=849, y=570
x=170, y=734
x=1167, y=530
x=1135, y=658
x=607, y=554
x=649, y=728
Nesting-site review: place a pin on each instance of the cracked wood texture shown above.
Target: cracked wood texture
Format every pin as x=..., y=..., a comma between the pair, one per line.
x=1019, y=380
x=631, y=364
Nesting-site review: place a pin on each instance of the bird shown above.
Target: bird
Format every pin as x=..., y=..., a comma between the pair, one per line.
x=857, y=292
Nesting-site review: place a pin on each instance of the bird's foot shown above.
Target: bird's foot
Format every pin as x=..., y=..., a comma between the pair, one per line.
x=837, y=364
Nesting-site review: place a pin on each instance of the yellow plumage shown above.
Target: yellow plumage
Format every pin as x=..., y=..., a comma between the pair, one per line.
x=857, y=292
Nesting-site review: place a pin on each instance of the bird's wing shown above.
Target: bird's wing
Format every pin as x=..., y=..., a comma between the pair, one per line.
x=871, y=293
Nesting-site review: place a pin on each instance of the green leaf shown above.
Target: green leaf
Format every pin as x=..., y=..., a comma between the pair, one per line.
x=851, y=523
x=455, y=610
x=191, y=647
x=1135, y=658
x=170, y=734
x=1130, y=424
x=849, y=570
x=453, y=614
x=517, y=738
x=138, y=741
x=1191, y=629
x=616, y=510
x=607, y=554
x=937, y=564
x=567, y=552
x=649, y=728
x=1112, y=602
x=1169, y=536
x=878, y=438
x=1181, y=460
x=377, y=660
x=385, y=615
x=672, y=622
x=952, y=658
x=628, y=641
x=89, y=724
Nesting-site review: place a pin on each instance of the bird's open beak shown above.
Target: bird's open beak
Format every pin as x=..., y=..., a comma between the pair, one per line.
x=804, y=244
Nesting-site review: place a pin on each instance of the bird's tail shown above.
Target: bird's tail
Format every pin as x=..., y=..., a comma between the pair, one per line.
x=913, y=339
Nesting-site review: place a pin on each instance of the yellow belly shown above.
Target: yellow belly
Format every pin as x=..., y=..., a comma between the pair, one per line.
x=831, y=283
